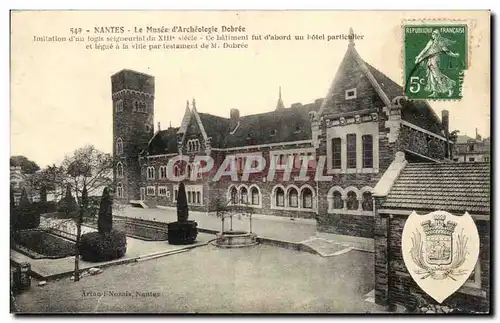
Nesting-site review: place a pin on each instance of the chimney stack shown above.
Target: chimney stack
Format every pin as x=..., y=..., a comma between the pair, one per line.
x=445, y=121
x=234, y=116
x=159, y=126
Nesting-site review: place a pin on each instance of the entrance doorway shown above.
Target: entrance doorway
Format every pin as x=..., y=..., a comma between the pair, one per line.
x=143, y=193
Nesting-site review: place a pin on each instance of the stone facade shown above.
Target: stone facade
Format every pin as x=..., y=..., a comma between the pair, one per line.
x=353, y=132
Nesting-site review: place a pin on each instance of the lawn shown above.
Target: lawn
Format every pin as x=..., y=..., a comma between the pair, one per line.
x=261, y=279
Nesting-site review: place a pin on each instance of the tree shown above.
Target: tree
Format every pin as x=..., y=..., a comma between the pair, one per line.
x=13, y=214
x=43, y=195
x=105, y=219
x=27, y=166
x=83, y=208
x=26, y=217
x=88, y=167
x=68, y=204
x=182, y=205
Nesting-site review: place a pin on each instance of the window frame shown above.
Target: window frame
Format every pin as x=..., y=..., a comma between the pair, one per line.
x=365, y=156
x=351, y=150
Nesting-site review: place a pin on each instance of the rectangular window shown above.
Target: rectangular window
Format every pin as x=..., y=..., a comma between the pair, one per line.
x=351, y=150
x=151, y=172
x=119, y=106
x=151, y=191
x=163, y=172
x=367, y=151
x=162, y=191
x=336, y=153
x=471, y=159
x=176, y=191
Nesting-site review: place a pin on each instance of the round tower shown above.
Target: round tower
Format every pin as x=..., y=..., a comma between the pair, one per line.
x=133, y=116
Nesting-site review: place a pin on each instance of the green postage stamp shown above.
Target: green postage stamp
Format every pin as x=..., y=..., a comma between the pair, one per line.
x=435, y=58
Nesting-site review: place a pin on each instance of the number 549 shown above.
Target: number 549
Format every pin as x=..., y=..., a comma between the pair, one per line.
x=415, y=82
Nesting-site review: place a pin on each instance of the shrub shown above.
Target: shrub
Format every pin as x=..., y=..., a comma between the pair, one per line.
x=95, y=246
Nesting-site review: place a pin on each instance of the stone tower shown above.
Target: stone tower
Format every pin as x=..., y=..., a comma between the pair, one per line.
x=133, y=117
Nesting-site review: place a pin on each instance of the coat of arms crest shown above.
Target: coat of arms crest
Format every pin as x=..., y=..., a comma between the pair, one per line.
x=440, y=251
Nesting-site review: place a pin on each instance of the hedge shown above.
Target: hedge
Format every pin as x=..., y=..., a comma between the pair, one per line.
x=95, y=246
x=44, y=244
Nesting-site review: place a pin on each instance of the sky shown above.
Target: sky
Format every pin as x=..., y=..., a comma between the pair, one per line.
x=61, y=92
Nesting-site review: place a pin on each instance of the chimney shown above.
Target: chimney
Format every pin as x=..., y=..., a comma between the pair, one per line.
x=159, y=126
x=234, y=118
x=445, y=120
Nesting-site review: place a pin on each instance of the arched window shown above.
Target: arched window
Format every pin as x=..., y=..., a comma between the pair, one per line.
x=280, y=197
x=119, y=190
x=255, y=195
x=198, y=197
x=188, y=170
x=307, y=198
x=367, y=203
x=119, y=170
x=293, y=198
x=234, y=195
x=337, y=200
x=244, y=195
x=352, y=201
x=189, y=197
x=119, y=146
x=176, y=170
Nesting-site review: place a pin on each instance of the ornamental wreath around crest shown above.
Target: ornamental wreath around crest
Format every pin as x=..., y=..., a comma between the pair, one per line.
x=440, y=250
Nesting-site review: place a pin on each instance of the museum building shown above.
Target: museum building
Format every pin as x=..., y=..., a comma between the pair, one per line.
x=355, y=131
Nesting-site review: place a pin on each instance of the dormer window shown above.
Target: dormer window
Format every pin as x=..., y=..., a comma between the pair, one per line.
x=148, y=128
x=297, y=129
x=350, y=94
x=273, y=132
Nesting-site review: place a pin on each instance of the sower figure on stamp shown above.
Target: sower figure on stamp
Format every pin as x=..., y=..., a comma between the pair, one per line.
x=437, y=82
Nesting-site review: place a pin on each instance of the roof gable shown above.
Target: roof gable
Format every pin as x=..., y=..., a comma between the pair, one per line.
x=453, y=187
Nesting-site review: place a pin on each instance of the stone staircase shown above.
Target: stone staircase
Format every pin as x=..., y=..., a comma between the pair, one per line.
x=326, y=248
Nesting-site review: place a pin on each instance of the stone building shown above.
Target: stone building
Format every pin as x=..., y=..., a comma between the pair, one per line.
x=351, y=137
x=469, y=149
x=425, y=187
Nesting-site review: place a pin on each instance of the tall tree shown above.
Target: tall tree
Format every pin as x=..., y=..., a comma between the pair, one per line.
x=89, y=167
x=83, y=209
x=13, y=213
x=27, y=166
x=43, y=195
x=105, y=219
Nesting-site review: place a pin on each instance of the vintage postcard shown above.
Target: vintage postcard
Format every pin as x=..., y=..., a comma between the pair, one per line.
x=250, y=162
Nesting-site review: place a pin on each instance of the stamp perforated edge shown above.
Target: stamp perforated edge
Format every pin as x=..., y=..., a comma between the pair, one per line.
x=471, y=25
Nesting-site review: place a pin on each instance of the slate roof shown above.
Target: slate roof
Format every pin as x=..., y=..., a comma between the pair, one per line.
x=164, y=142
x=285, y=125
x=417, y=112
x=452, y=187
x=215, y=127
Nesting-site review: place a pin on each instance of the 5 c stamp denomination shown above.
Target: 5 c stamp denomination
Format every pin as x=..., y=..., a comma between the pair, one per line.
x=435, y=57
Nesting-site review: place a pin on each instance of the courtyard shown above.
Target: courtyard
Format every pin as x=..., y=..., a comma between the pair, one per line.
x=260, y=279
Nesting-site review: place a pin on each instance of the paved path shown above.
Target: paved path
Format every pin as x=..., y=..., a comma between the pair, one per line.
x=266, y=226
x=261, y=279
x=135, y=248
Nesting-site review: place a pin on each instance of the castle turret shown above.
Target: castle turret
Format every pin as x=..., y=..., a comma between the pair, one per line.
x=133, y=115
